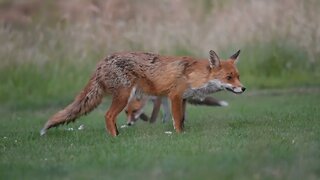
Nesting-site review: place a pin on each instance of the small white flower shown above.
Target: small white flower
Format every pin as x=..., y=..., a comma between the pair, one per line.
x=81, y=127
x=124, y=126
x=168, y=132
x=70, y=129
x=5, y=137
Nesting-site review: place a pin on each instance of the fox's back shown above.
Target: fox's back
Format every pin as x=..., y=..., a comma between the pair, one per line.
x=152, y=73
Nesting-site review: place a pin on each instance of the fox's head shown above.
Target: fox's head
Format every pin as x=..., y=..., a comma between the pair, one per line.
x=134, y=111
x=225, y=73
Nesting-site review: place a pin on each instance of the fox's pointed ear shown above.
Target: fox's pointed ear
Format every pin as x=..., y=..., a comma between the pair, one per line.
x=214, y=59
x=235, y=57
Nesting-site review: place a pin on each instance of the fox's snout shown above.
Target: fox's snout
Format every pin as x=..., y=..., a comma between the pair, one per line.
x=131, y=119
x=242, y=89
x=236, y=90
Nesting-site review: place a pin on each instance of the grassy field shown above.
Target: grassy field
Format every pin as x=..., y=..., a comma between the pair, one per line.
x=261, y=135
x=49, y=49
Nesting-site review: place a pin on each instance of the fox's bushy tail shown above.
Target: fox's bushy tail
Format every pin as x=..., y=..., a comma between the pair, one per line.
x=88, y=99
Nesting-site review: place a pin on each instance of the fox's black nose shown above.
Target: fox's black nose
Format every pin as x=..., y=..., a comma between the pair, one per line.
x=243, y=89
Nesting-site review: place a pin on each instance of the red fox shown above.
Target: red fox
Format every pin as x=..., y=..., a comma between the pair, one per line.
x=178, y=78
x=135, y=107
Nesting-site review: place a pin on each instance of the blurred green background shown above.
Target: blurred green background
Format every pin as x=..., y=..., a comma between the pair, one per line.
x=49, y=48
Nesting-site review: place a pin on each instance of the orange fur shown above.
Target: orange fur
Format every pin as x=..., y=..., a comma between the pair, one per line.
x=176, y=77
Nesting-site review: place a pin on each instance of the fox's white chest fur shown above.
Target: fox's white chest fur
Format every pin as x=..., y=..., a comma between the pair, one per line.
x=201, y=92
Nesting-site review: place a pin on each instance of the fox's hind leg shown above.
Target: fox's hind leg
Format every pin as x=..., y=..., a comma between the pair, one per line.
x=119, y=102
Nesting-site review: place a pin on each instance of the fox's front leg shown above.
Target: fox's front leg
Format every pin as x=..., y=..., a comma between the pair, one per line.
x=166, y=109
x=184, y=104
x=119, y=101
x=156, y=109
x=177, y=112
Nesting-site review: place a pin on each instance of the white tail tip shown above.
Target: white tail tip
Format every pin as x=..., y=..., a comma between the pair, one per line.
x=224, y=103
x=43, y=132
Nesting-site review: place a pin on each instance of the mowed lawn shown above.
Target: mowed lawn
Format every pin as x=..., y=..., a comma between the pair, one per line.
x=261, y=135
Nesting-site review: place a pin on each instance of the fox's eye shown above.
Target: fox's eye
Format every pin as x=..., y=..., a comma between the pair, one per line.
x=229, y=78
x=134, y=111
x=126, y=111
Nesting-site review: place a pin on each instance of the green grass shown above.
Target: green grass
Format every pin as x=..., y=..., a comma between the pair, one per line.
x=259, y=136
